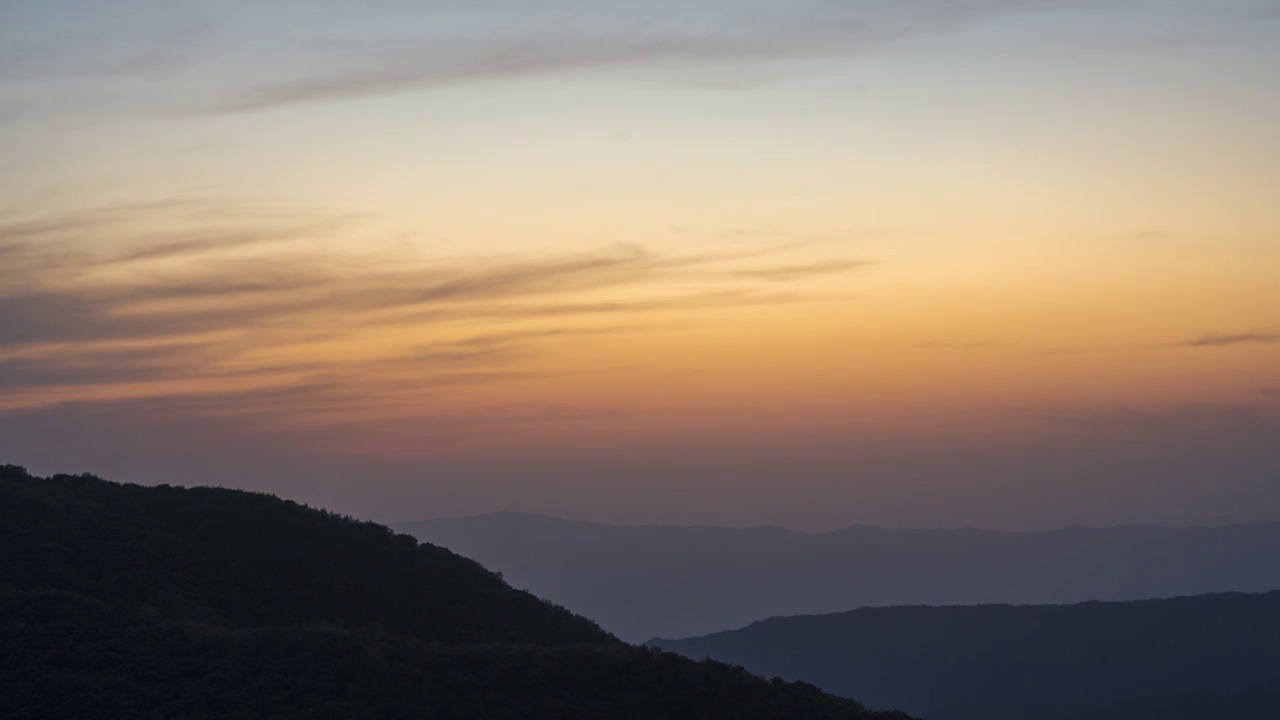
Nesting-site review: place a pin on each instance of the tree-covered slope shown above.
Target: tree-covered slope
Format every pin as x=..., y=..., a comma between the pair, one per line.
x=121, y=601
x=236, y=557
x=1177, y=659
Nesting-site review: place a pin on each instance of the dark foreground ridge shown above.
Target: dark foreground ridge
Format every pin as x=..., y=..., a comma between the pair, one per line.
x=122, y=601
x=1189, y=658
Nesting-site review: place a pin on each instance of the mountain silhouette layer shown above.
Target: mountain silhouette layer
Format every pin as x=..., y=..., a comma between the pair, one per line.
x=646, y=581
x=119, y=601
x=1210, y=656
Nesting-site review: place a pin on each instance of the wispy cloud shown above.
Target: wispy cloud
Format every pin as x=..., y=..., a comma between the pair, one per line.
x=786, y=273
x=105, y=308
x=1187, y=419
x=346, y=50
x=1216, y=340
x=565, y=36
x=170, y=248
x=960, y=345
x=88, y=367
x=742, y=297
x=70, y=243
x=61, y=225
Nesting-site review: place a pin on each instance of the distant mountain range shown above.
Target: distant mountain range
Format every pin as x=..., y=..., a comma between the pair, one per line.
x=119, y=601
x=1211, y=656
x=646, y=581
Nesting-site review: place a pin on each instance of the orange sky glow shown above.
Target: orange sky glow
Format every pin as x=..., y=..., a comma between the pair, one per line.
x=854, y=248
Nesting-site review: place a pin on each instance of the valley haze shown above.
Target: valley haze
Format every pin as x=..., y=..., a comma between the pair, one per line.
x=652, y=580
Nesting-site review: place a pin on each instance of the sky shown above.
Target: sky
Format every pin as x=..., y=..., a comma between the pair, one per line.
x=963, y=263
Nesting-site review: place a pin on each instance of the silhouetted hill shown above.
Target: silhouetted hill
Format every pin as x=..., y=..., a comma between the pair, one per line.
x=1211, y=656
x=642, y=581
x=118, y=601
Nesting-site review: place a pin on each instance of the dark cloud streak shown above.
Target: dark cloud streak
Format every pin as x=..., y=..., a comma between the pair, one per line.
x=220, y=317
x=772, y=30
x=1215, y=340
x=786, y=273
x=970, y=345
x=1183, y=420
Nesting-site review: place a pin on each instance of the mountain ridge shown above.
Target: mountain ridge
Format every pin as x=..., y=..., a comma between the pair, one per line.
x=772, y=620
x=125, y=601
x=1187, y=657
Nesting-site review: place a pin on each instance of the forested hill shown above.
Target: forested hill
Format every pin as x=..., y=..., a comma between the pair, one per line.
x=1210, y=656
x=209, y=554
x=122, y=601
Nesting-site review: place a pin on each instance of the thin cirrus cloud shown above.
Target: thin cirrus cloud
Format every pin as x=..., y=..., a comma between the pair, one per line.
x=339, y=49
x=103, y=310
x=796, y=272
x=1185, y=419
x=88, y=368
x=960, y=345
x=36, y=249
x=1219, y=340
x=610, y=34
x=202, y=244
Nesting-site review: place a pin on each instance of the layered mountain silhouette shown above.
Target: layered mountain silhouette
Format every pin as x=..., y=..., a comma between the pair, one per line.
x=646, y=581
x=1211, y=656
x=119, y=601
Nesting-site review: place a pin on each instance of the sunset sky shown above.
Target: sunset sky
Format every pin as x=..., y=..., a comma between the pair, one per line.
x=993, y=263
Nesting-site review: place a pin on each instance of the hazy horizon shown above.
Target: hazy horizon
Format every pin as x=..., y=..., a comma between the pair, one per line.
x=808, y=531
x=645, y=581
